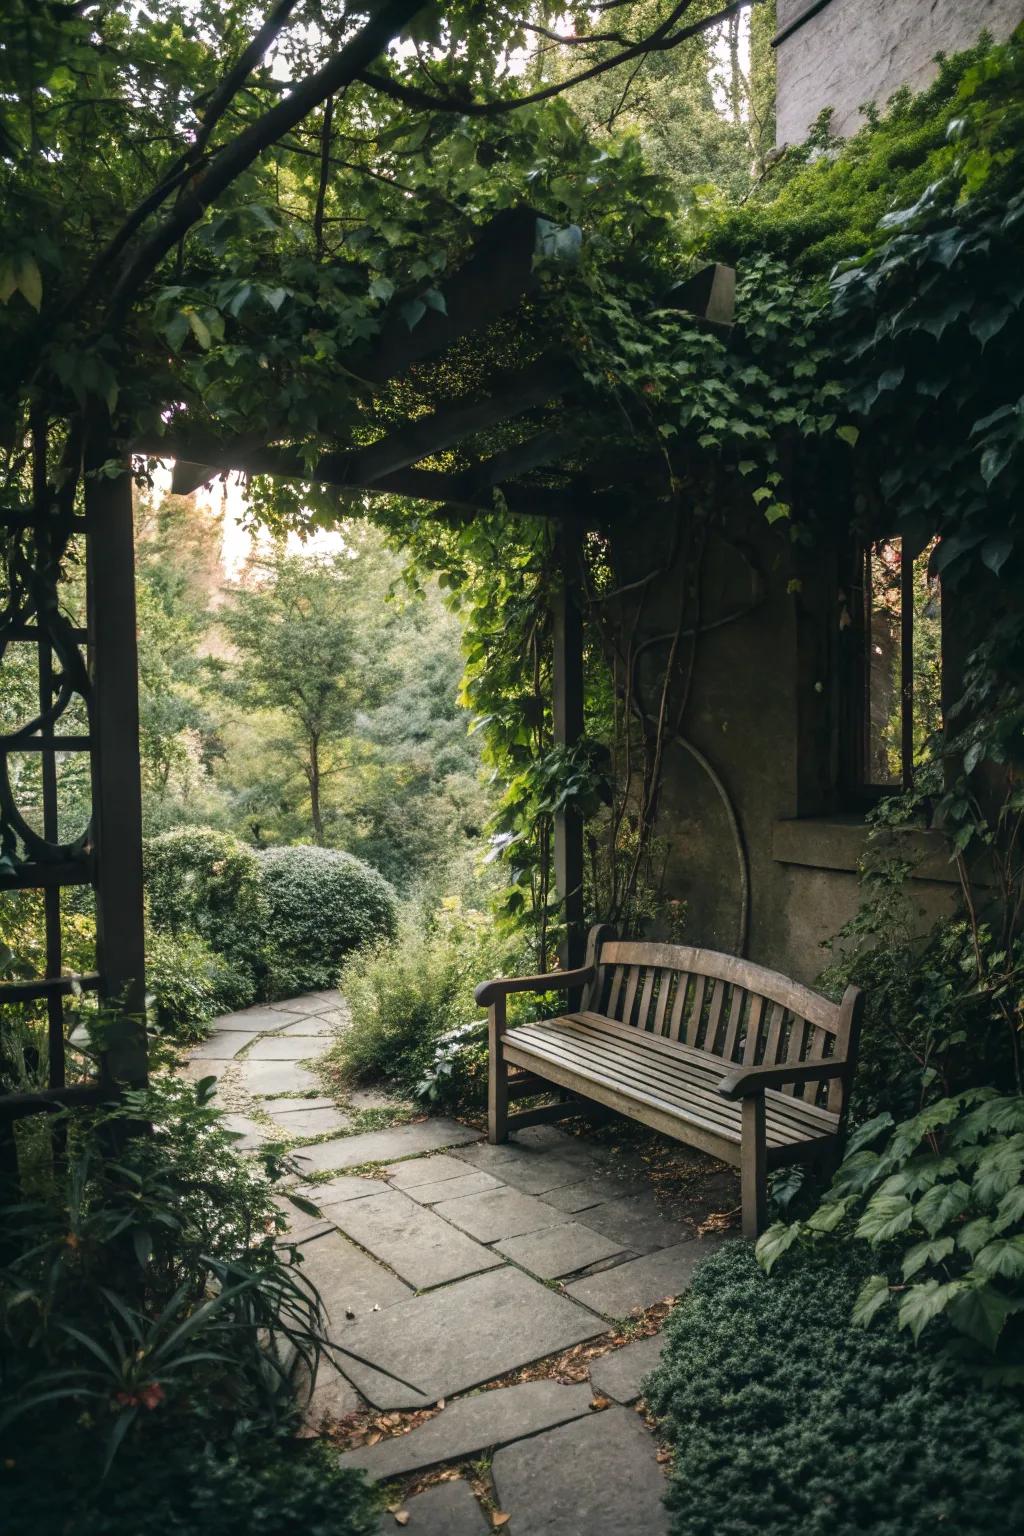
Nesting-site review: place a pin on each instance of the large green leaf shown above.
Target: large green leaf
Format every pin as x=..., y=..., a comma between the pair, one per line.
x=942, y=1204
x=885, y=1217
x=871, y=1298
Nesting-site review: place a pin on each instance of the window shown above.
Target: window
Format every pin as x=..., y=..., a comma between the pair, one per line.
x=892, y=619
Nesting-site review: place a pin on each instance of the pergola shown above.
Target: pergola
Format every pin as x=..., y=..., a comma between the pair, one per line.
x=517, y=432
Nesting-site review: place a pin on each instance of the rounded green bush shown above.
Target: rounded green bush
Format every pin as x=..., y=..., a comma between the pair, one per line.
x=206, y=882
x=322, y=904
x=787, y=1421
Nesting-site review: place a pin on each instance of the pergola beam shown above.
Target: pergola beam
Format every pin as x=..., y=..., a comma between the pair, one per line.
x=469, y=489
x=513, y=395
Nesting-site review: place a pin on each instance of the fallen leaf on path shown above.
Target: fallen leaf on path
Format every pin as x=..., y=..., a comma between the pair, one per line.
x=498, y=1520
x=597, y=1403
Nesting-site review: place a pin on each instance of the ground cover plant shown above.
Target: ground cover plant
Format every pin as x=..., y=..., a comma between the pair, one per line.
x=785, y=1417
x=148, y=1318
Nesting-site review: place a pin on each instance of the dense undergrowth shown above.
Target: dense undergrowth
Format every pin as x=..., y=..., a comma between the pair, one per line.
x=786, y=1419
x=149, y=1321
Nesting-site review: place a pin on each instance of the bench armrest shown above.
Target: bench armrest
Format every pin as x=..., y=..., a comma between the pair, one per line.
x=488, y=992
x=743, y=1082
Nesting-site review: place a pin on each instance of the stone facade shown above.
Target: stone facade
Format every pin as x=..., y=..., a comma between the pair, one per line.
x=849, y=52
x=759, y=769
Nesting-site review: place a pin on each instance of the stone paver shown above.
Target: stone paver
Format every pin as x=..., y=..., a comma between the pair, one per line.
x=640, y=1283
x=637, y=1223
x=310, y=1122
x=558, y=1250
x=596, y=1191
x=312, y=1002
x=452, y=1189
x=337, y=1191
x=414, y=1242
x=272, y=1077
x=220, y=1046
x=483, y=1155
x=385, y=1146
x=426, y=1170
x=310, y=1026
x=462, y=1335
x=473, y=1424
x=283, y=1048
x=620, y=1373
x=252, y=1134
x=537, y=1172
x=499, y=1213
x=290, y=1106
x=255, y=1020
x=447, y=1509
x=349, y=1281
x=332, y=1397
x=301, y=1226
x=595, y=1477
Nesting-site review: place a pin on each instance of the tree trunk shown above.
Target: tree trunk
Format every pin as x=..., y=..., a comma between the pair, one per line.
x=314, y=790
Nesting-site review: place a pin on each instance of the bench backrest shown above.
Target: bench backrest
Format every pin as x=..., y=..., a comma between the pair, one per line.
x=730, y=1008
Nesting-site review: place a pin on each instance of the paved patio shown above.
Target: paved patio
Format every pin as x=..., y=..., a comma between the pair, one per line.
x=480, y=1300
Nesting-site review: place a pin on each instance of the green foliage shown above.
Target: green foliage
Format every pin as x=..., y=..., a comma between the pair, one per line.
x=189, y=984
x=252, y=1485
x=147, y=1315
x=931, y=1024
x=941, y=1202
x=785, y=1419
x=414, y=1021
x=828, y=199
x=299, y=656
x=321, y=905
x=208, y=883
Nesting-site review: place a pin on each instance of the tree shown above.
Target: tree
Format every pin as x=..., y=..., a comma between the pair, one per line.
x=298, y=655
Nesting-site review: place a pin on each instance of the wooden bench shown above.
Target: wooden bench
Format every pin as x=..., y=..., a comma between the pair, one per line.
x=713, y=1051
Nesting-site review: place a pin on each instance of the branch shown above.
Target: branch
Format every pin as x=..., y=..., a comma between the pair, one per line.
x=230, y=161
x=659, y=41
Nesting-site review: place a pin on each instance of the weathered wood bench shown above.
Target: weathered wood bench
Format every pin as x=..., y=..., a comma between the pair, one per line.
x=716, y=1052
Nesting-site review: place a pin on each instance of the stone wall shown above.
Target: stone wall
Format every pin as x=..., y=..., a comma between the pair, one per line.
x=760, y=721
x=853, y=51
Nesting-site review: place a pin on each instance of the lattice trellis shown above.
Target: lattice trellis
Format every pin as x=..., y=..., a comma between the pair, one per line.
x=91, y=673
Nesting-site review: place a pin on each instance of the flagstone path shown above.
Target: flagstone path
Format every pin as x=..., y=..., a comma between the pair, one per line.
x=447, y=1266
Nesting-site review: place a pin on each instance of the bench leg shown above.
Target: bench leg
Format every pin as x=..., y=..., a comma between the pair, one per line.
x=497, y=1077
x=754, y=1167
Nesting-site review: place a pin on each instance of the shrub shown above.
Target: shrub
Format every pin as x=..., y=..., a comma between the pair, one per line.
x=147, y=1315
x=251, y=1487
x=322, y=904
x=414, y=1020
x=189, y=984
x=787, y=1422
x=206, y=882
x=941, y=1205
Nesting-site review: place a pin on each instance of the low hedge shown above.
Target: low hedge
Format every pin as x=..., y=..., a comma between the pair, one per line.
x=784, y=1419
x=322, y=904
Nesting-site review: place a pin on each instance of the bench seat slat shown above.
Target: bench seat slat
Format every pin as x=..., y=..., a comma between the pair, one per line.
x=688, y=1098
x=674, y=1049
x=696, y=1068
x=602, y=1056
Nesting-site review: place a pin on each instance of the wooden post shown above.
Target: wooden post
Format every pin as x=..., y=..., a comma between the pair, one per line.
x=567, y=711
x=754, y=1167
x=497, y=1075
x=116, y=786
